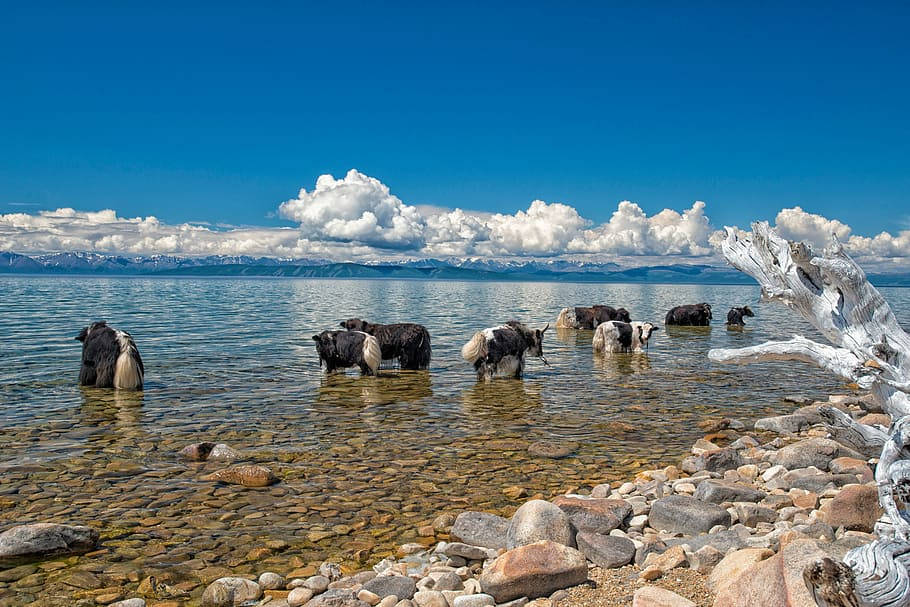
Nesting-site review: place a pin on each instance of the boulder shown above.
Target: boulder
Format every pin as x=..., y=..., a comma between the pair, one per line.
x=533, y=571
x=465, y=551
x=855, y=508
x=810, y=479
x=724, y=541
x=539, y=520
x=851, y=465
x=336, y=597
x=248, y=476
x=230, y=591
x=655, y=596
x=774, y=582
x=481, y=529
x=683, y=514
x=595, y=515
x=733, y=564
x=714, y=460
x=38, y=540
x=716, y=491
x=783, y=424
x=385, y=585
x=606, y=551
x=816, y=452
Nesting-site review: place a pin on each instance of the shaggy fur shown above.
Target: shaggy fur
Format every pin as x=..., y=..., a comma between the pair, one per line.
x=616, y=336
x=407, y=342
x=589, y=318
x=502, y=350
x=110, y=358
x=343, y=349
x=691, y=315
x=735, y=316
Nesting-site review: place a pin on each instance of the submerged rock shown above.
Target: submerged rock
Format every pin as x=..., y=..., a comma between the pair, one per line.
x=248, y=476
x=37, y=540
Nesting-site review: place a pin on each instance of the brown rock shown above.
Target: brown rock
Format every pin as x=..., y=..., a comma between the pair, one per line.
x=852, y=465
x=654, y=596
x=248, y=476
x=804, y=499
x=856, y=507
x=670, y=559
x=533, y=571
x=876, y=419
x=595, y=515
x=197, y=452
x=733, y=564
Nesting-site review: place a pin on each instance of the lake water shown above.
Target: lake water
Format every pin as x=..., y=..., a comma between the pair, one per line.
x=363, y=461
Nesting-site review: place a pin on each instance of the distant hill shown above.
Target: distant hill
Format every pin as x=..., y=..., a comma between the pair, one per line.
x=420, y=269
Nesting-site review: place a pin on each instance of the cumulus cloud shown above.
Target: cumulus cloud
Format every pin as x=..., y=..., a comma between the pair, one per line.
x=797, y=224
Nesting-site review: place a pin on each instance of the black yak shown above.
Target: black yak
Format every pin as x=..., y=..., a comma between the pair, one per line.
x=343, y=349
x=616, y=336
x=735, y=316
x=503, y=349
x=589, y=318
x=110, y=358
x=691, y=315
x=407, y=342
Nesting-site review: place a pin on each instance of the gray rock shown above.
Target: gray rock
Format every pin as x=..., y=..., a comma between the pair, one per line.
x=387, y=585
x=448, y=581
x=271, y=581
x=816, y=452
x=715, y=460
x=723, y=541
x=336, y=597
x=751, y=515
x=783, y=424
x=716, y=491
x=606, y=551
x=135, y=602
x=474, y=600
x=317, y=583
x=230, y=591
x=330, y=570
x=810, y=480
x=538, y=520
x=533, y=571
x=28, y=542
x=481, y=529
x=471, y=553
x=683, y=514
x=430, y=598
x=595, y=515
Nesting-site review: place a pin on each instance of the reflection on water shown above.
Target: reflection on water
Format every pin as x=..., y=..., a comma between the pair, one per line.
x=363, y=461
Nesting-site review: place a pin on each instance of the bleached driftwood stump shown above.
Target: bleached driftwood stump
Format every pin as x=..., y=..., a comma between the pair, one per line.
x=868, y=347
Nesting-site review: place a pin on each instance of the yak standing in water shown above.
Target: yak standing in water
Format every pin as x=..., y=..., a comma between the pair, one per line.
x=110, y=358
x=735, y=316
x=503, y=349
x=343, y=349
x=589, y=318
x=616, y=336
x=691, y=315
x=407, y=342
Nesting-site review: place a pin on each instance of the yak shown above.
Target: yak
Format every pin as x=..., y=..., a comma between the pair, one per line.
x=691, y=315
x=343, y=349
x=589, y=318
x=407, y=342
x=502, y=350
x=110, y=358
x=735, y=316
x=616, y=336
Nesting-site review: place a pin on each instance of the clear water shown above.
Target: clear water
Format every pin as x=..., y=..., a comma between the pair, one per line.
x=364, y=461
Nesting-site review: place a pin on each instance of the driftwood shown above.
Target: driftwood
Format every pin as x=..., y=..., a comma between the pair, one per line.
x=868, y=347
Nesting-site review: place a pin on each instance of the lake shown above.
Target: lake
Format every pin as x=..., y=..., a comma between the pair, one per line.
x=363, y=461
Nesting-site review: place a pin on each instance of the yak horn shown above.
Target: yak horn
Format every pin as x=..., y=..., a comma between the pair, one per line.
x=545, y=328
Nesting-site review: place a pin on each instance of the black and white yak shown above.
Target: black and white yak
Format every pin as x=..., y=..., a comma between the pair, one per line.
x=502, y=350
x=589, y=318
x=735, y=316
x=616, y=336
x=110, y=358
x=407, y=342
x=343, y=349
x=691, y=315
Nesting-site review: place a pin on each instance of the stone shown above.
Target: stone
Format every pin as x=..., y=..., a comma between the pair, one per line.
x=683, y=514
x=855, y=507
x=876, y=419
x=773, y=472
x=336, y=597
x=474, y=600
x=773, y=582
x=330, y=570
x=534, y=570
x=538, y=520
x=222, y=452
x=803, y=499
x=471, y=553
x=816, y=452
x=718, y=460
x=197, y=452
x=271, y=581
x=230, y=591
x=733, y=564
x=385, y=585
x=704, y=559
x=671, y=558
x=134, y=602
x=783, y=424
x=851, y=465
x=751, y=515
x=716, y=491
x=605, y=551
x=39, y=540
x=481, y=529
x=724, y=541
x=448, y=581
x=368, y=597
x=430, y=598
x=595, y=515
x=552, y=450
x=247, y=476
x=654, y=596
x=299, y=596
x=444, y=522
x=317, y=583
x=810, y=479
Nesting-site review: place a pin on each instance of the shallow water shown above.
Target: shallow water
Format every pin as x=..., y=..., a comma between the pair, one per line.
x=363, y=461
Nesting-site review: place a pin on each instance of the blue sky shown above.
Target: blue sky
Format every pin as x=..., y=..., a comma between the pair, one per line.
x=220, y=112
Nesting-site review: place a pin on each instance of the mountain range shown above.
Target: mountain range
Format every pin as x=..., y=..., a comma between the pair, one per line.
x=447, y=269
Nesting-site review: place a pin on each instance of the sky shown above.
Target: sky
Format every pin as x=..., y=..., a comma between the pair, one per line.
x=521, y=129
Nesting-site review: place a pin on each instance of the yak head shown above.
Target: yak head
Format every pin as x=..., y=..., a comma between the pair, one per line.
x=623, y=315
x=86, y=331
x=706, y=308
x=326, y=346
x=535, y=347
x=645, y=330
x=355, y=324
x=747, y=311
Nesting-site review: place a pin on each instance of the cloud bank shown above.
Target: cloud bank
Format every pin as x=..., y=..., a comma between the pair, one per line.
x=358, y=218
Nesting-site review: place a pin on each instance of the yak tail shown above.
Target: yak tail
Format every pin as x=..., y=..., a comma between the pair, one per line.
x=599, y=341
x=476, y=348
x=566, y=319
x=128, y=370
x=372, y=353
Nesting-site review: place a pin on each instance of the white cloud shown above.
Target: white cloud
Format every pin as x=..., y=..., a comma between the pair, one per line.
x=797, y=224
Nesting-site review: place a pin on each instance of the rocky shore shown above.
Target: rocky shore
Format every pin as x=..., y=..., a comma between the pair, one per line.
x=734, y=523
